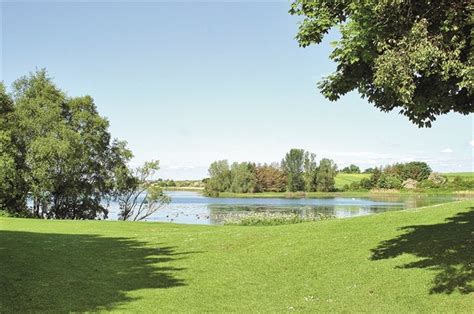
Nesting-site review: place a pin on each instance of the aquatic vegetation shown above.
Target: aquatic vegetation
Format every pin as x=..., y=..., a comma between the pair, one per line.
x=273, y=218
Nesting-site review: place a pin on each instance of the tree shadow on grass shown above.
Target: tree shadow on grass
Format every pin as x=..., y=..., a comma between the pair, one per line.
x=65, y=272
x=446, y=247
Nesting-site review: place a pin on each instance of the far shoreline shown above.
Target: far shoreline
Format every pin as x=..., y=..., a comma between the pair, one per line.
x=299, y=195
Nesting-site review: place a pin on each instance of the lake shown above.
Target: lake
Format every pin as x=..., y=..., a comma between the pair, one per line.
x=195, y=208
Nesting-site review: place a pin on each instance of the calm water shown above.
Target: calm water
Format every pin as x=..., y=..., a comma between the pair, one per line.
x=194, y=208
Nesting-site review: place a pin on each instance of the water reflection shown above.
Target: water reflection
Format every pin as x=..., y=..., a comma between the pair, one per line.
x=194, y=208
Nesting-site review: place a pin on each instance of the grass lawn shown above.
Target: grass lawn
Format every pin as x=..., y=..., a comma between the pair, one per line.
x=348, y=178
x=465, y=175
x=409, y=261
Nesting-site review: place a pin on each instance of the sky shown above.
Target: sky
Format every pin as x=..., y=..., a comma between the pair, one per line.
x=191, y=82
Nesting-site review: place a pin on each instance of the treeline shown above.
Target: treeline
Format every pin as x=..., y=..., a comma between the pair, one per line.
x=298, y=171
x=409, y=176
x=170, y=183
x=58, y=159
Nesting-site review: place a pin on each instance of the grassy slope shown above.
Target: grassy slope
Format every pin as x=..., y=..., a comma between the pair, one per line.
x=348, y=178
x=374, y=263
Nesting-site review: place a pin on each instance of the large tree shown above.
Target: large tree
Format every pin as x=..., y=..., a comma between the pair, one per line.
x=310, y=172
x=412, y=56
x=327, y=171
x=243, y=177
x=270, y=178
x=219, y=178
x=61, y=149
x=293, y=166
x=13, y=189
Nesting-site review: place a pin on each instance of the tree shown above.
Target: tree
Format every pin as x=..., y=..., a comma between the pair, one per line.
x=351, y=169
x=243, y=177
x=63, y=154
x=138, y=198
x=416, y=170
x=270, y=178
x=387, y=181
x=374, y=178
x=366, y=183
x=12, y=185
x=219, y=178
x=414, y=56
x=292, y=165
x=369, y=170
x=310, y=175
x=327, y=171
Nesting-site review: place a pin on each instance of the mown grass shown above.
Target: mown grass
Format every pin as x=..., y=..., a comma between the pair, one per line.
x=409, y=261
x=348, y=178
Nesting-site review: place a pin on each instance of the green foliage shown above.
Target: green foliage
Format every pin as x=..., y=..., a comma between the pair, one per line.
x=219, y=178
x=299, y=171
x=351, y=169
x=13, y=189
x=274, y=218
x=327, y=171
x=244, y=177
x=374, y=178
x=60, y=149
x=414, y=56
x=461, y=183
x=369, y=170
x=366, y=184
x=310, y=175
x=293, y=166
x=416, y=170
x=138, y=198
x=387, y=181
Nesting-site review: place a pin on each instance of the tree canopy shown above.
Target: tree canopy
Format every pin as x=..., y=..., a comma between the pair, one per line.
x=56, y=151
x=412, y=56
x=298, y=171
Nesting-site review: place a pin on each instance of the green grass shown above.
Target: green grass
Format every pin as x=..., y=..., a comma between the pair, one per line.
x=464, y=175
x=409, y=261
x=348, y=178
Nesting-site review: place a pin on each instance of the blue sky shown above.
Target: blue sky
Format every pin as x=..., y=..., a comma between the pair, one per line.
x=192, y=82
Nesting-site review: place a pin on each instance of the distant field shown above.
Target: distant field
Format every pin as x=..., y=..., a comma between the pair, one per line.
x=348, y=178
x=465, y=175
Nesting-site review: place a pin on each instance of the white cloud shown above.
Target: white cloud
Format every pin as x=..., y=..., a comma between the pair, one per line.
x=447, y=150
x=472, y=143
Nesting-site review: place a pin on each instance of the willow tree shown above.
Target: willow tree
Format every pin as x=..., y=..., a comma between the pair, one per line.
x=412, y=56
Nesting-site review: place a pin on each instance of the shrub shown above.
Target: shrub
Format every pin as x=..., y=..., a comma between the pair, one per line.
x=460, y=183
x=354, y=186
x=366, y=183
x=437, y=178
x=387, y=181
x=410, y=184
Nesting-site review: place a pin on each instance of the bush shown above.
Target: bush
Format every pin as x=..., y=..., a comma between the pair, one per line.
x=460, y=183
x=410, y=184
x=354, y=186
x=366, y=184
x=437, y=178
x=387, y=181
